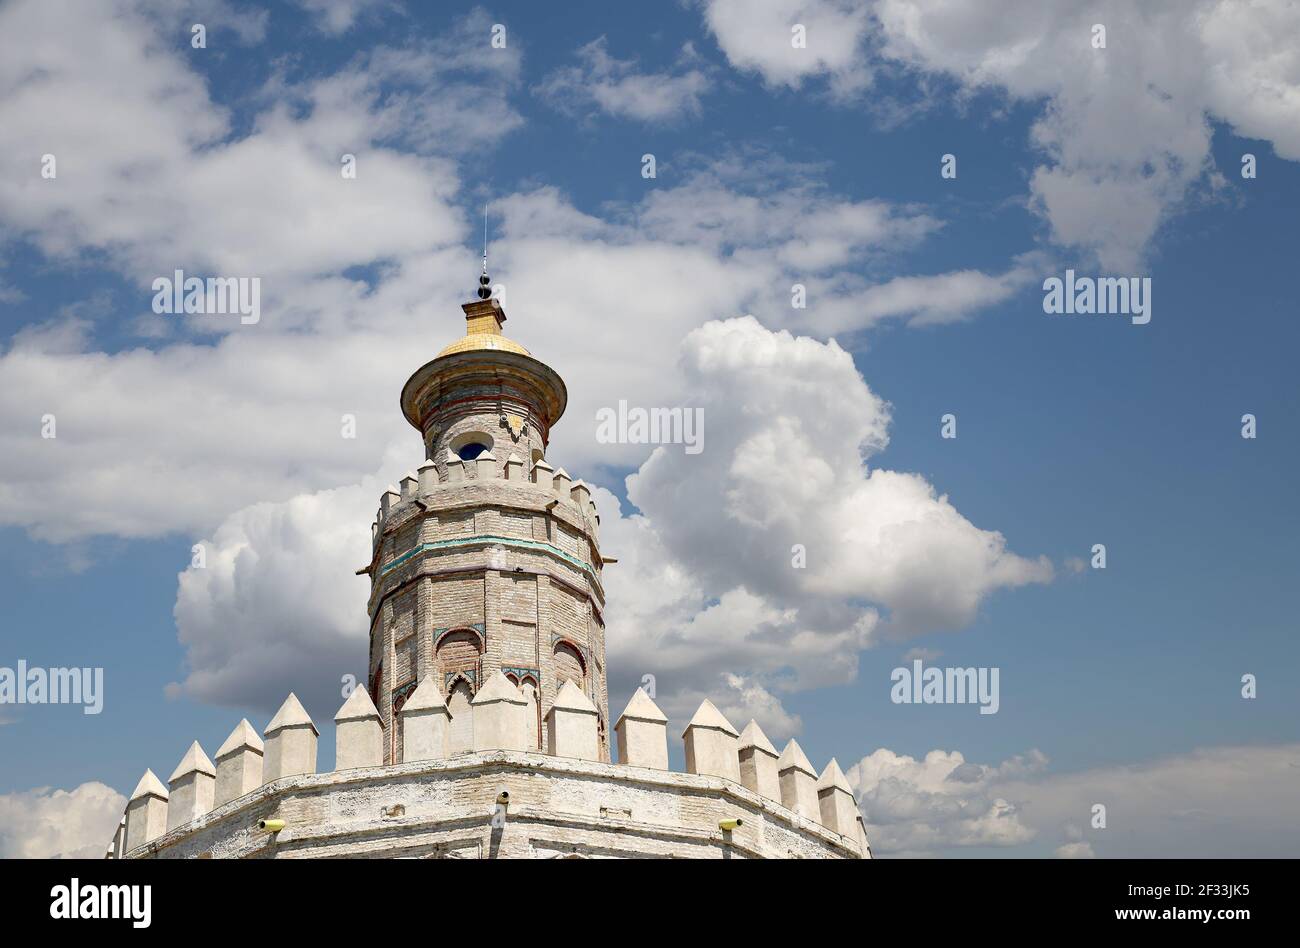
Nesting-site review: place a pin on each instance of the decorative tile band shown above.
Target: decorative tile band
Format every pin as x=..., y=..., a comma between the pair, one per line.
x=450, y=676
x=481, y=539
x=521, y=673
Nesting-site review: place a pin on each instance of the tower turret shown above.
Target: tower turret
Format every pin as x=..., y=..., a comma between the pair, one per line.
x=494, y=565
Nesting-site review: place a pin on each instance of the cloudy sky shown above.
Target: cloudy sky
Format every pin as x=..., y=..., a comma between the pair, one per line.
x=774, y=165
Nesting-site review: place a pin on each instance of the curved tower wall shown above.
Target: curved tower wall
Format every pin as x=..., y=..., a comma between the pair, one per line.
x=491, y=563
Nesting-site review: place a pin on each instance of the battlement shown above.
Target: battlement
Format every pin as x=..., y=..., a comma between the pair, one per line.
x=542, y=485
x=264, y=797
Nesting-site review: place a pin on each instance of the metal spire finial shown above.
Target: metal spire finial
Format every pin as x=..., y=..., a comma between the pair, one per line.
x=484, y=281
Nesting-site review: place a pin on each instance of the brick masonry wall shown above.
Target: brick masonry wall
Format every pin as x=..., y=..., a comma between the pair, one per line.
x=520, y=600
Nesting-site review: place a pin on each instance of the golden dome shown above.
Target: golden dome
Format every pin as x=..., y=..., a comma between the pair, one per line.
x=483, y=340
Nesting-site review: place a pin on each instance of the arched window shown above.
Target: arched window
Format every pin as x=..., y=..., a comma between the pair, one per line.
x=468, y=445
x=460, y=738
x=458, y=650
x=456, y=656
x=569, y=666
x=529, y=689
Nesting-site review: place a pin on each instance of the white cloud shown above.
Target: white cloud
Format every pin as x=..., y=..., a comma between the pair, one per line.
x=1124, y=131
x=45, y=823
x=336, y=17
x=617, y=87
x=1075, y=851
x=1221, y=802
x=704, y=595
x=912, y=806
x=238, y=439
x=277, y=606
x=177, y=436
x=756, y=36
x=149, y=174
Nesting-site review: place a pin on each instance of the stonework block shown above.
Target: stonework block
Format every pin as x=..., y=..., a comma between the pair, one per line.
x=146, y=813
x=838, y=809
x=192, y=788
x=798, y=781
x=500, y=716
x=290, y=742
x=758, y=762
x=426, y=723
x=712, y=744
x=358, y=733
x=642, y=731
x=239, y=764
x=571, y=725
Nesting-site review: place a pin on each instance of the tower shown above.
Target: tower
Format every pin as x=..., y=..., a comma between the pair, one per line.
x=488, y=559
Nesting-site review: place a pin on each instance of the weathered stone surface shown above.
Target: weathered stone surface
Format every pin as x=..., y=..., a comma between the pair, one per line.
x=192, y=787
x=426, y=723
x=758, y=762
x=358, y=733
x=798, y=781
x=290, y=742
x=146, y=811
x=239, y=763
x=558, y=806
x=711, y=744
x=642, y=731
x=571, y=725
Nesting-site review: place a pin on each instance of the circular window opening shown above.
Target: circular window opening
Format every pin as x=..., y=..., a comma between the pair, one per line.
x=468, y=452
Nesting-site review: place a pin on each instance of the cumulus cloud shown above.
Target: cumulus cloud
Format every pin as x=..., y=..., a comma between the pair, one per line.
x=276, y=605
x=198, y=421
x=1221, y=802
x=705, y=596
x=168, y=188
x=912, y=806
x=178, y=435
x=46, y=823
x=206, y=434
x=604, y=83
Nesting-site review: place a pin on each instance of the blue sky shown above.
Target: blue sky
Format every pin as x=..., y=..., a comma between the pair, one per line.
x=774, y=166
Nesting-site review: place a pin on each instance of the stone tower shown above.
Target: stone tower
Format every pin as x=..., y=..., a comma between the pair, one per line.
x=484, y=732
x=487, y=560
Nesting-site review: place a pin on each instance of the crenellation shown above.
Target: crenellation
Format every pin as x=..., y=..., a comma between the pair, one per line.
x=428, y=479
x=758, y=762
x=146, y=812
x=561, y=483
x=514, y=468
x=239, y=764
x=712, y=744
x=290, y=742
x=455, y=470
x=838, y=809
x=798, y=782
x=192, y=788
x=358, y=733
